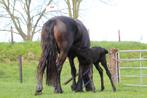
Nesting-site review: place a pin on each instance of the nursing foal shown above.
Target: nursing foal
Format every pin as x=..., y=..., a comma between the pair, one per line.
x=94, y=55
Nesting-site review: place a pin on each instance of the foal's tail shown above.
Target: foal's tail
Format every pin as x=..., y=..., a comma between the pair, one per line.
x=106, y=51
x=49, y=51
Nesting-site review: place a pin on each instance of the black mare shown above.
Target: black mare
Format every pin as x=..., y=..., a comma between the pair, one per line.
x=58, y=35
x=86, y=71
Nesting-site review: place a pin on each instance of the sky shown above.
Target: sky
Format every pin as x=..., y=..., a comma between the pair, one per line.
x=128, y=16
x=105, y=20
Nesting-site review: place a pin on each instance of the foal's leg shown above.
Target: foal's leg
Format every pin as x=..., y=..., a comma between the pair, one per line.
x=108, y=73
x=100, y=70
x=88, y=78
x=85, y=74
x=40, y=70
x=73, y=72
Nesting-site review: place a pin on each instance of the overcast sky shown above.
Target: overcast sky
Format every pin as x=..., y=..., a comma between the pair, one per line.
x=128, y=16
x=104, y=20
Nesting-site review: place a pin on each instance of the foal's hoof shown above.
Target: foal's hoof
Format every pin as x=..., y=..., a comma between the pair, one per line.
x=93, y=90
x=38, y=93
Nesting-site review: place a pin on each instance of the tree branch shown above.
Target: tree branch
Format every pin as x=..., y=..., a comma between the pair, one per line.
x=13, y=18
x=5, y=30
x=23, y=16
x=69, y=7
x=41, y=14
x=106, y=1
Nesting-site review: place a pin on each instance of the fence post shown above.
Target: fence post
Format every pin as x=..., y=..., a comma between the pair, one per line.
x=12, y=41
x=113, y=65
x=20, y=68
x=119, y=36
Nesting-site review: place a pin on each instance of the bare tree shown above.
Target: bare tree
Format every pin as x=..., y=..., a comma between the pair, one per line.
x=24, y=16
x=73, y=8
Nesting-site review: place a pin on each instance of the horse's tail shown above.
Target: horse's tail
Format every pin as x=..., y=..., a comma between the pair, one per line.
x=49, y=51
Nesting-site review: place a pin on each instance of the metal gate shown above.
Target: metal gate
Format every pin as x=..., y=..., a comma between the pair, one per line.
x=132, y=65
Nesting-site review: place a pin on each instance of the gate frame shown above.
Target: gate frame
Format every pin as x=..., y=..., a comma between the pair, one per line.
x=140, y=59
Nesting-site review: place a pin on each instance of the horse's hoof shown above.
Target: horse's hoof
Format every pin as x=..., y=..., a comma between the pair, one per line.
x=114, y=89
x=39, y=89
x=38, y=93
x=91, y=90
x=102, y=89
x=73, y=87
x=58, y=91
x=78, y=90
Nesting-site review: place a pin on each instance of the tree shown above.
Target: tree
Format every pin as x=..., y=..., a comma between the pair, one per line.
x=23, y=16
x=73, y=8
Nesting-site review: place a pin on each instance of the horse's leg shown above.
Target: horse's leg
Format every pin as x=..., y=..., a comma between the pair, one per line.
x=109, y=74
x=73, y=72
x=79, y=86
x=100, y=70
x=59, y=63
x=40, y=71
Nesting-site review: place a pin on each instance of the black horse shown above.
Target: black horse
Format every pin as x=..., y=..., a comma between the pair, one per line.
x=58, y=35
x=87, y=72
x=94, y=55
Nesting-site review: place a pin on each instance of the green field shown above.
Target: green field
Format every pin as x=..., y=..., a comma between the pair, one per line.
x=10, y=86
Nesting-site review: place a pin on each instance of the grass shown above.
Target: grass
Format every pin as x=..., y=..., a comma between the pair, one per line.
x=10, y=86
x=31, y=50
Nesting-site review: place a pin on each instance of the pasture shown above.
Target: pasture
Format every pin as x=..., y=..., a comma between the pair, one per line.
x=10, y=87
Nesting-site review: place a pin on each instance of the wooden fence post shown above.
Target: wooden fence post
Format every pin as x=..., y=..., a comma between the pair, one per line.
x=12, y=40
x=20, y=68
x=119, y=36
x=113, y=65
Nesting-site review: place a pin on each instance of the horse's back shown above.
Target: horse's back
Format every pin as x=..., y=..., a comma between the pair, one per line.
x=70, y=30
x=85, y=40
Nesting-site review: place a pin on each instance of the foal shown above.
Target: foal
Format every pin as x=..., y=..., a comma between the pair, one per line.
x=95, y=55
